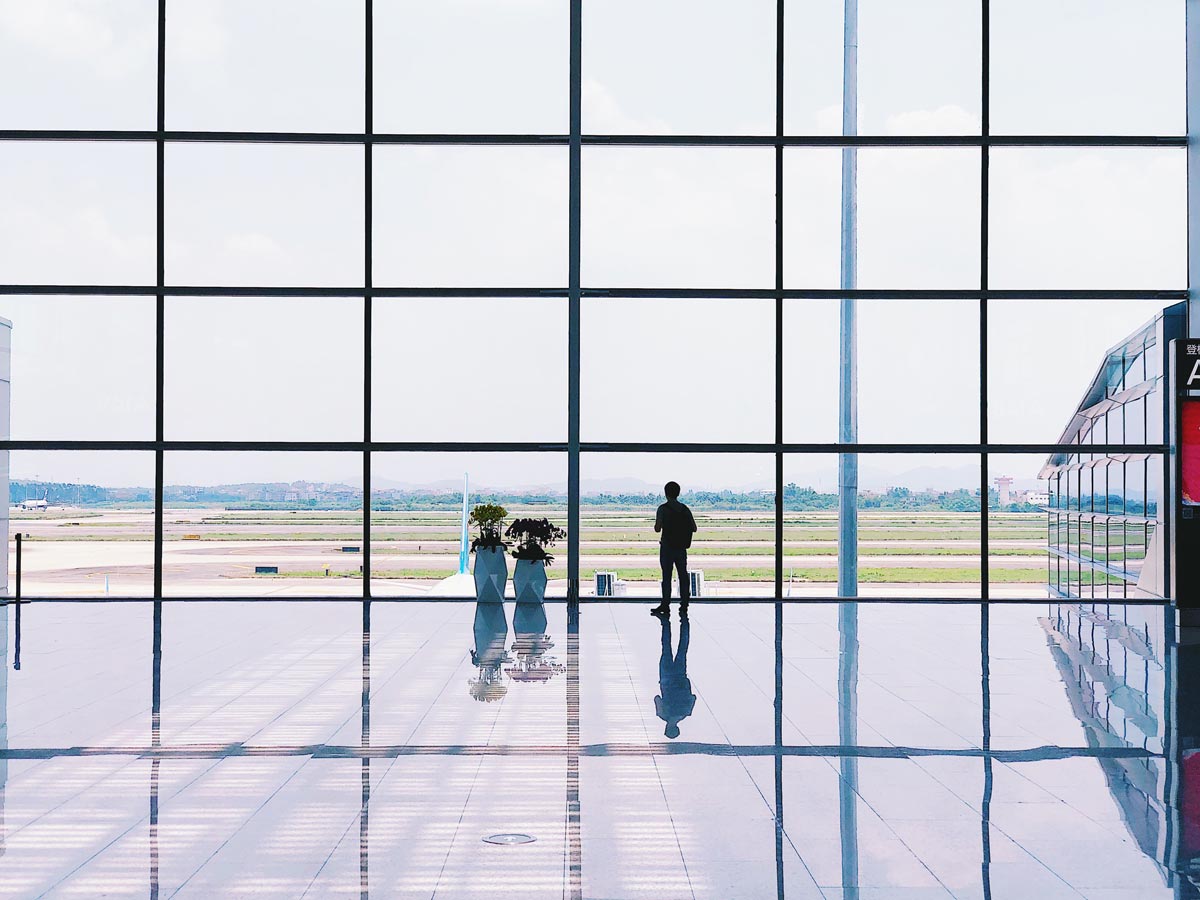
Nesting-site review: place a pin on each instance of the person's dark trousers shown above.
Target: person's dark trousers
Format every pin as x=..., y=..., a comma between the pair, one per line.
x=670, y=559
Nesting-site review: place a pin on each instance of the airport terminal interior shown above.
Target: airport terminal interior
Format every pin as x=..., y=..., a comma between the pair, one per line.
x=349, y=350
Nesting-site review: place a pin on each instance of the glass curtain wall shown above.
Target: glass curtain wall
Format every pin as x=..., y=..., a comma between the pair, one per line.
x=1105, y=512
x=826, y=264
x=841, y=268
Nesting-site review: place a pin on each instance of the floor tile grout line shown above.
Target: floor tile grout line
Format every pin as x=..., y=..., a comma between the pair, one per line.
x=246, y=821
x=216, y=761
x=388, y=769
x=239, y=750
x=1036, y=858
x=754, y=781
x=177, y=793
x=232, y=665
x=463, y=812
x=306, y=761
x=135, y=759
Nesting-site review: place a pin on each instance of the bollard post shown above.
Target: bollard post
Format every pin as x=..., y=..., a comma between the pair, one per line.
x=17, y=594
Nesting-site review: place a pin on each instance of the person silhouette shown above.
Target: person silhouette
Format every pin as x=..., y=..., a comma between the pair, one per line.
x=676, y=700
x=675, y=524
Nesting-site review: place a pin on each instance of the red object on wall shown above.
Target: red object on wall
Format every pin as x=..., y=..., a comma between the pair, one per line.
x=1189, y=804
x=1189, y=441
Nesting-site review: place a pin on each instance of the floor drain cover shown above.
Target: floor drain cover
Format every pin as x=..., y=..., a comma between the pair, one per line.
x=508, y=839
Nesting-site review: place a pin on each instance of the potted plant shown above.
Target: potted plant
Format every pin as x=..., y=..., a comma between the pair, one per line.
x=532, y=537
x=491, y=564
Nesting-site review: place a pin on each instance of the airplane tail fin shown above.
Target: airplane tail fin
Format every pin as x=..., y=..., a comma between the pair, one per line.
x=464, y=548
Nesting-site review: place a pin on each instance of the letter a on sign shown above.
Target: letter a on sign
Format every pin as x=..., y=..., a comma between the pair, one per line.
x=1195, y=376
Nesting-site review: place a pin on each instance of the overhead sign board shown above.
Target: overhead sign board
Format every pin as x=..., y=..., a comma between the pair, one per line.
x=1185, y=443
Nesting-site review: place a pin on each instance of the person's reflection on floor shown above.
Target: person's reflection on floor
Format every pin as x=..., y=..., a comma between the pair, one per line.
x=530, y=645
x=491, y=634
x=676, y=701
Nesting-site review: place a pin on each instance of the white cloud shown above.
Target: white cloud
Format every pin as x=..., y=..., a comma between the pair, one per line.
x=948, y=119
x=604, y=114
x=108, y=39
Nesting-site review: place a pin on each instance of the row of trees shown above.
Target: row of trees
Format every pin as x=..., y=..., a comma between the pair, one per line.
x=795, y=499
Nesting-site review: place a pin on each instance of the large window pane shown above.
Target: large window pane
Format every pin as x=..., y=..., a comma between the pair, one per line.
x=470, y=216
x=918, y=218
x=506, y=381
x=917, y=223
x=812, y=94
x=88, y=521
x=918, y=526
x=1087, y=218
x=1032, y=396
x=812, y=218
x=1088, y=67
x=695, y=370
x=1023, y=536
x=732, y=499
x=918, y=67
x=679, y=67
x=904, y=396
x=471, y=66
x=810, y=525
x=678, y=217
x=256, y=524
x=264, y=214
x=271, y=65
x=66, y=64
x=416, y=516
x=263, y=369
x=77, y=213
x=84, y=366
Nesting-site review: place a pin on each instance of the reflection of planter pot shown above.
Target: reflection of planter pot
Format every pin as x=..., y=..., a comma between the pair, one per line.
x=529, y=618
x=491, y=574
x=529, y=580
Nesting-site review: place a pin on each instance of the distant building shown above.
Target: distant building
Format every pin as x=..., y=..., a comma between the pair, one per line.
x=1003, y=483
x=1099, y=501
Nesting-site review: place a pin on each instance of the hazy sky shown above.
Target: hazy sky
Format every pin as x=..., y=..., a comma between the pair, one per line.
x=482, y=369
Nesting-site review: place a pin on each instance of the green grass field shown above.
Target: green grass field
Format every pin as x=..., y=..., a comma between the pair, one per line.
x=903, y=548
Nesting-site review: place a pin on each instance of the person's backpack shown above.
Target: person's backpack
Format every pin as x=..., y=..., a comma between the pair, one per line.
x=676, y=524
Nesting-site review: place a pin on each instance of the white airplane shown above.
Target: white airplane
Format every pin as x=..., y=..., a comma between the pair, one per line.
x=37, y=505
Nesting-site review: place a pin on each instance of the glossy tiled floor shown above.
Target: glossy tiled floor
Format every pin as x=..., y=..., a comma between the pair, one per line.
x=288, y=749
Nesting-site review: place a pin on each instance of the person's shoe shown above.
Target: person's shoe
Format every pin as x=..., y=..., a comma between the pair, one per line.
x=661, y=610
x=683, y=610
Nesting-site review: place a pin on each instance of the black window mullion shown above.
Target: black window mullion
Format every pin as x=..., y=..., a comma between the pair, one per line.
x=160, y=296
